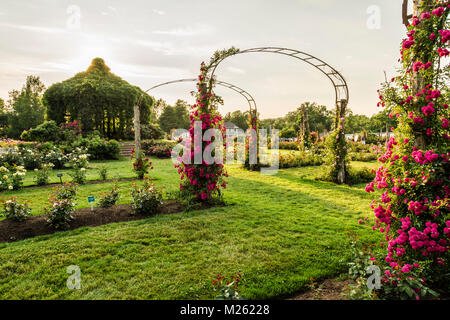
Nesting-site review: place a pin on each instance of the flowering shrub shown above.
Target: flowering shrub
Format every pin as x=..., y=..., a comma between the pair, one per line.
x=160, y=149
x=14, y=210
x=4, y=171
x=47, y=131
x=228, y=287
x=145, y=200
x=203, y=181
x=65, y=191
x=288, y=146
x=9, y=143
x=42, y=174
x=62, y=206
x=60, y=213
x=110, y=198
x=299, y=159
x=70, y=130
x=17, y=177
x=31, y=158
x=413, y=209
x=55, y=156
x=141, y=166
x=79, y=162
x=11, y=158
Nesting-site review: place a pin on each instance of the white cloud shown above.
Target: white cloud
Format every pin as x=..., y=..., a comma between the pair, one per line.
x=159, y=12
x=34, y=28
x=236, y=70
x=198, y=29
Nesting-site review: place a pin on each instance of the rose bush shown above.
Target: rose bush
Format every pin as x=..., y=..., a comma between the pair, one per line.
x=413, y=209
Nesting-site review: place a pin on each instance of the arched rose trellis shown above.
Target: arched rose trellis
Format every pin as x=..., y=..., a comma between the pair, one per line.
x=251, y=102
x=338, y=81
x=242, y=92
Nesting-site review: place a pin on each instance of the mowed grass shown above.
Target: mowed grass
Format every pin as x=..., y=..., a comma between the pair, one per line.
x=38, y=198
x=277, y=230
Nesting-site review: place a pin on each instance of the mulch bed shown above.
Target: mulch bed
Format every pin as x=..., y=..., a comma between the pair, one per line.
x=33, y=226
x=87, y=182
x=329, y=289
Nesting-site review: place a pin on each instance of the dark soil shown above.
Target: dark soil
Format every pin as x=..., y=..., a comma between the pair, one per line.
x=37, y=225
x=330, y=289
x=87, y=182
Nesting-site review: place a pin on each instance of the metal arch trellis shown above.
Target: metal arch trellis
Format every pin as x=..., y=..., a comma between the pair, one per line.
x=339, y=83
x=242, y=92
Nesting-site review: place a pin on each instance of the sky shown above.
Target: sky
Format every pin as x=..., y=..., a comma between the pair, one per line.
x=147, y=42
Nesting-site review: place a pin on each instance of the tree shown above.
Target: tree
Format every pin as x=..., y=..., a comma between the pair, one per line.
x=99, y=100
x=4, y=125
x=26, y=108
x=239, y=118
x=174, y=117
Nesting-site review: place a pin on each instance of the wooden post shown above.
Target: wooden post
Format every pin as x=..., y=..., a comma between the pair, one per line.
x=342, y=105
x=137, y=131
x=418, y=82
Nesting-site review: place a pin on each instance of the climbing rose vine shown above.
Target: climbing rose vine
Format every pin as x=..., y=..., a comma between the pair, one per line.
x=337, y=159
x=204, y=180
x=413, y=209
x=251, y=146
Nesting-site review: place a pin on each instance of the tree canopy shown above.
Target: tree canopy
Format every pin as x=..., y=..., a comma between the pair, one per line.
x=175, y=117
x=99, y=100
x=238, y=118
x=25, y=107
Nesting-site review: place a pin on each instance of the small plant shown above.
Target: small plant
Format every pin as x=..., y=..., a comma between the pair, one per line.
x=42, y=175
x=16, y=179
x=228, y=287
x=61, y=206
x=66, y=191
x=55, y=156
x=4, y=178
x=145, y=200
x=110, y=198
x=141, y=166
x=60, y=213
x=103, y=172
x=14, y=210
x=79, y=162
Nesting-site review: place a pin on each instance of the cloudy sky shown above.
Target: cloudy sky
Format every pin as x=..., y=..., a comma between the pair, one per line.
x=147, y=42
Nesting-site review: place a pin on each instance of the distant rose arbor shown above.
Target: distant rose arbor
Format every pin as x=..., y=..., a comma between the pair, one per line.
x=204, y=111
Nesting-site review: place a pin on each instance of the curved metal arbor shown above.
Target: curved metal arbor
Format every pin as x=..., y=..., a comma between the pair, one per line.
x=338, y=81
x=242, y=92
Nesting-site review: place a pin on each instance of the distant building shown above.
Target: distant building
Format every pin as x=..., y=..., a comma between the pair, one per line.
x=232, y=129
x=183, y=136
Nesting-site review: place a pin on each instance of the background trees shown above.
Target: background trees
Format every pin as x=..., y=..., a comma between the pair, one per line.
x=321, y=120
x=238, y=118
x=174, y=117
x=25, y=107
x=99, y=99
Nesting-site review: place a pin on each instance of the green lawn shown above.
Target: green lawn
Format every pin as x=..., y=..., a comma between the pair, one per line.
x=276, y=230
